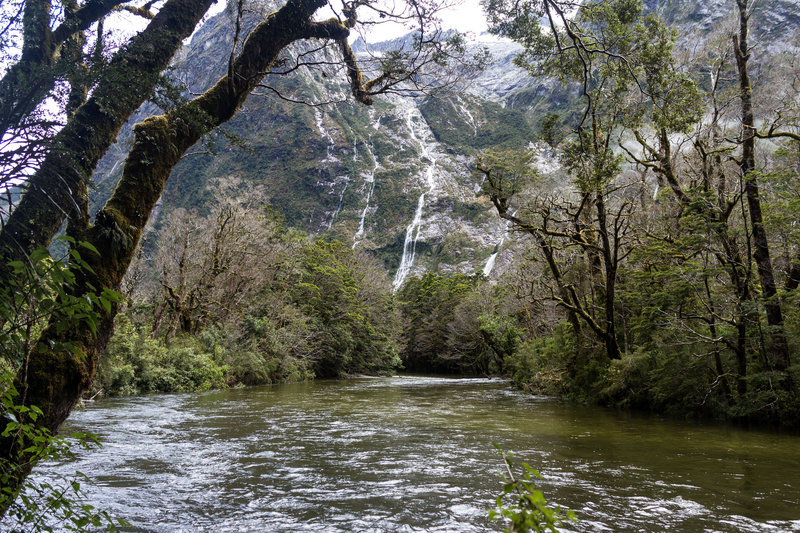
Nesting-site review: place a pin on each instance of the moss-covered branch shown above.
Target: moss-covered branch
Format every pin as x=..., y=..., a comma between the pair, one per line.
x=52, y=192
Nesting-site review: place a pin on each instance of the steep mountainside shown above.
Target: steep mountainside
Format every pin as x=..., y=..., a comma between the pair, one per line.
x=393, y=178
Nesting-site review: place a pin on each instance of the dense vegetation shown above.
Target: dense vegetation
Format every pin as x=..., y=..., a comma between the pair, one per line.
x=684, y=299
x=236, y=298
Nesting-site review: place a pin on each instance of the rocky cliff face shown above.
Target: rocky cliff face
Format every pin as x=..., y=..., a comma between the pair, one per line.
x=393, y=178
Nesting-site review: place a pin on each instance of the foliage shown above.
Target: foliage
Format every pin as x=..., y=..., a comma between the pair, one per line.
x=635, y=298
x=241, y=300
x=429, y=307
x=455, y=324
x=539, y=365
x=347, y=311
x=529, y=510
x=42, y=291
x=135, y=363
x=44, y=505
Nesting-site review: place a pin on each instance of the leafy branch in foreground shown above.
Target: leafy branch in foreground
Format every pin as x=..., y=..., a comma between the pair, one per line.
x=528, y=510
x=43, y=505
x=41, y=292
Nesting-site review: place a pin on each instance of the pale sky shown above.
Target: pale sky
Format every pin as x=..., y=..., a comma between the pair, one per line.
x=467, y=16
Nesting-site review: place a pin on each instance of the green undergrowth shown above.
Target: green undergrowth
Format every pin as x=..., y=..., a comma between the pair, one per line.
x=680, y=385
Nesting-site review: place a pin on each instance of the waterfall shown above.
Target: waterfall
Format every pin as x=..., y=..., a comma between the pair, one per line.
x=487, y=269
x=329, y=157
x=492, y=258
x=369, y=178
x=341, y=199
x=415, y=228
x=466, y=113
x=409, y=246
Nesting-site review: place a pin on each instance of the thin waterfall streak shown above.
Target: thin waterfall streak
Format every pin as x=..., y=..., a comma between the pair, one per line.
x=487, y=269
x=369, y=177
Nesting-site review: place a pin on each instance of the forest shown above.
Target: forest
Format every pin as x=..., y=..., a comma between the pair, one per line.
x=651, y=251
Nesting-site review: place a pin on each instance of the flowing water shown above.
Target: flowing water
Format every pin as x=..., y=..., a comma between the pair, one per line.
x=415, y=454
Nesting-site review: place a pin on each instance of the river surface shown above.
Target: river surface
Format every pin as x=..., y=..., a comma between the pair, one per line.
x=415, y=454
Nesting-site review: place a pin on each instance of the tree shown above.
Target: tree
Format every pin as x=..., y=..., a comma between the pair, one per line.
x=438, y=337
x=779, y=345
x=606, y=47
x=349, y=308
x=54, y=379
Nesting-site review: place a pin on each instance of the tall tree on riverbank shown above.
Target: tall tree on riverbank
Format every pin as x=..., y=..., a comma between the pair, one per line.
x=777, y=334
x=606, y=48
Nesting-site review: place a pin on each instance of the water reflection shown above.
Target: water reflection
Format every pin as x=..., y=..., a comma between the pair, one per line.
x=415, y=454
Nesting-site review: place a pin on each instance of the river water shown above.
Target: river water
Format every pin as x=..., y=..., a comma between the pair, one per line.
x=415, y=454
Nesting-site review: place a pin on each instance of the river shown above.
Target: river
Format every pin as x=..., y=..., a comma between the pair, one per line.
x=415, y=454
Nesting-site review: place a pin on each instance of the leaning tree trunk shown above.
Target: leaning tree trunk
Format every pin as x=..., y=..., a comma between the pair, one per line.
x=56, y=379
x=777, y=334
x=54, y=192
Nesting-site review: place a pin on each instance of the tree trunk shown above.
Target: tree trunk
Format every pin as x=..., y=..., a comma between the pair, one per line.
x=610, y=267
x=777, y=335
x=793, y=277
x=55, y=191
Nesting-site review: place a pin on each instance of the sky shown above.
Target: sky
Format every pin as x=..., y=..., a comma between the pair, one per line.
x=466, y=16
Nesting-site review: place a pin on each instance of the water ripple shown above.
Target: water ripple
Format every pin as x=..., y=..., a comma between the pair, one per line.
x=414, y=454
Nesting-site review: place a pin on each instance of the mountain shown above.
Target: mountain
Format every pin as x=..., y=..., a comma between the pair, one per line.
x=393, y=178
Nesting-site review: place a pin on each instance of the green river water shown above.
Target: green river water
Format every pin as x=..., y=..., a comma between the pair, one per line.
x=415, y=454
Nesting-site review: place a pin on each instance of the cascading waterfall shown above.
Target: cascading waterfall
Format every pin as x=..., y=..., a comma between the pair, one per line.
x=409, y=246
x=330, y=157
x=468, y=115
x=487, y=269
x=415, y=228
x=341, y=200
x=369, y=178
x=492, y=258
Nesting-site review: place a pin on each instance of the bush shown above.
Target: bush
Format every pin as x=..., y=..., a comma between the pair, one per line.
x=540, y=365
x=135, y=363
x=627, y=380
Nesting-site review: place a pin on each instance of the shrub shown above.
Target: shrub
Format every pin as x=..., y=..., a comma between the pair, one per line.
x=540, y=365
